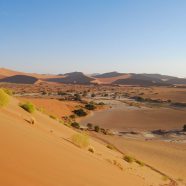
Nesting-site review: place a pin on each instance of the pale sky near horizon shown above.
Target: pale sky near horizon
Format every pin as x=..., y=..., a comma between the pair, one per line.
x=58, y=36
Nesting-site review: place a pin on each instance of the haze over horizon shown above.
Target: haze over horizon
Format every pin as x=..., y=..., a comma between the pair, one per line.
x=93, y=36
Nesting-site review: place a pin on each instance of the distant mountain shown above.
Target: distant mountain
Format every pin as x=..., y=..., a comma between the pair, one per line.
x=157, y=76
x=139, y=82
x=109, y=78
x=73, y=78
x=177, y=81
x=20, y=79
x=108, y=75
x=1, y=76
x=150, y=80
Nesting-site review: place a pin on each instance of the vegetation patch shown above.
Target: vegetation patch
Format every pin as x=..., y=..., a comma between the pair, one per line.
x=29, y=107
x=184, y=128
x=53, y=117
x=109, y=146
x=80, y=112
x=4, y=98
x=165, y=178
x=8, y=91
x=89, y=126
x=128, y=159
x=81, y=140
x=91, y=149
x=97, y=128
x=90, y=106
x=75, y=125
x=139, y=163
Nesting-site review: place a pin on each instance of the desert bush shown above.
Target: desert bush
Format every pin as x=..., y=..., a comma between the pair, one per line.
x=29, y=107
x=60, y=93
x=139, y=163
x=8, y=91
x=53, y=117
x=128, y=159
x=165, y=178
x=93, y=95
x=97, y=128
x=184, y=127
x=101, y=103
x=77, y=97
x=109, y=146
x=80, y=112
x=72, y=116
x=105, y=95
x=4, y=98
x=90, y=106
x=81, y=140
x=91, y=149
x=90, y=126
x=75, y=125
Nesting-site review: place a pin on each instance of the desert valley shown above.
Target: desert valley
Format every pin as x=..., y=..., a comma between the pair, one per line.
x=104, y=129
x=92, y=93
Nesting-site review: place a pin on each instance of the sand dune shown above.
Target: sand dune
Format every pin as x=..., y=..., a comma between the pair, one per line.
x=52, y=106
x=40, y=155
x=110, y=80
x=7, y=73
x=170, y=158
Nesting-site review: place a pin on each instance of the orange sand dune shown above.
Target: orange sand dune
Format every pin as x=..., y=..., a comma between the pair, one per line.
x=110, y=80
x=40, y=155
x=53, y=107
x=170, y=158
x=6, y=72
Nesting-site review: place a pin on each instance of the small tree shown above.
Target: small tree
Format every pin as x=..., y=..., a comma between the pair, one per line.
x=97, y=128
x=184, y=128
x=90, y=106
x=75, y=125
x=80, y=112
x=89, y=125
x=77, y=97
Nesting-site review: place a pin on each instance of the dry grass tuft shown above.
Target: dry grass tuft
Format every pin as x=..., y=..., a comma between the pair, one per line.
x=81, y=140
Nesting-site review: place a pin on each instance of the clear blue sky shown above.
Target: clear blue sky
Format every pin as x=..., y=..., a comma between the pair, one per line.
x=57, y=36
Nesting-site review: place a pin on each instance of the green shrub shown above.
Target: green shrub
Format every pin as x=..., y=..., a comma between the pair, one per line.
x=77, y=97
x=90, y=126
x=8, y=91
x=75, y=125
x=4, y=98
x=139, y=163
x=72, y=116
x=80, y=112
x=81, y=140
x=29, y=107
x=90, y=106
x=128, y=159
x=97, y=128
